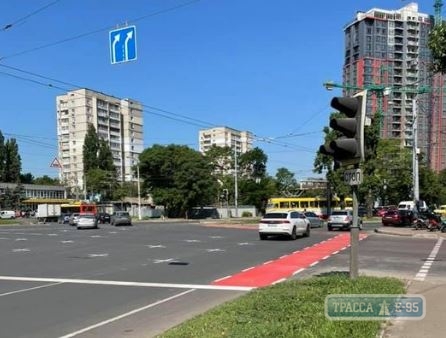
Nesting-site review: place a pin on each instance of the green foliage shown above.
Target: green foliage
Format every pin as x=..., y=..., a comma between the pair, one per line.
x=46, y=180
x=246, y=214
x=178, y=178
x=289, y=309
x=286, y=183
x=437, y=46
x=90, y=149
x=11, y=164
x=252, y=164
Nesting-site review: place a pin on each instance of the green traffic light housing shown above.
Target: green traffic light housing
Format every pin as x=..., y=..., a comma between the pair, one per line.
x=349, y=147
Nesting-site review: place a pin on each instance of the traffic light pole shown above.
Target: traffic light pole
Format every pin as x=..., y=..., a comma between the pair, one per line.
x=354, y=237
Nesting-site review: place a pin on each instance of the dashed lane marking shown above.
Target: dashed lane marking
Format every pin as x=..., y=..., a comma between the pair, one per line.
x=424, y=270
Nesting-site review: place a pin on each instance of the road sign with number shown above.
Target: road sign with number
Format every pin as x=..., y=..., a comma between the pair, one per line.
x=123, y=44
x=353, y=176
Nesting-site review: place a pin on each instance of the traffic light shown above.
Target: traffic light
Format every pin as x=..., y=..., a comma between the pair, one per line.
x=349, y=147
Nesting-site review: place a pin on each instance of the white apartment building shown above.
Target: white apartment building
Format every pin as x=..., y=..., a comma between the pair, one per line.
x=118, y=121
x=241, y=141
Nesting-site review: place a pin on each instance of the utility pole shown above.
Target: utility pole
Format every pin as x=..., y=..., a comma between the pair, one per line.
x=235, y=181
x=139, y=192
x=416, y=187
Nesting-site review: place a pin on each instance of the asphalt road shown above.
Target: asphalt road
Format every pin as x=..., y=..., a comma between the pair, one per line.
x=57, y=281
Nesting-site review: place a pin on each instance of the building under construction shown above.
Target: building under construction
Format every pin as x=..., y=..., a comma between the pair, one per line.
x=386, y=52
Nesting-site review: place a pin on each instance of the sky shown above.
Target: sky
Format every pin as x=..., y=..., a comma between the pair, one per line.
x=255, y=65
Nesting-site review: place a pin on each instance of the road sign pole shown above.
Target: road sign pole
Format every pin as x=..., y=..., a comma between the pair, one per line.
x=354, y=237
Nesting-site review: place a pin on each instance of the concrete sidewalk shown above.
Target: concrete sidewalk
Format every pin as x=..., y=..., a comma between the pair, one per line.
x=433, y=325
x=407, y=231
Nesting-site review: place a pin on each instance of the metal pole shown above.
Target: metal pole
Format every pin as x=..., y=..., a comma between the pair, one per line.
x=416, y=188
x=354, y=237
x=235, y=182
x=139, y=193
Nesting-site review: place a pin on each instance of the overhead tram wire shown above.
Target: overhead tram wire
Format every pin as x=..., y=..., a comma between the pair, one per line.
x=149, y=109
x=22, y=19
x=162, y=11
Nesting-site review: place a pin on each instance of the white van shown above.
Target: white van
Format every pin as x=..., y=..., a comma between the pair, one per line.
x=5, y=214
x=410, y=205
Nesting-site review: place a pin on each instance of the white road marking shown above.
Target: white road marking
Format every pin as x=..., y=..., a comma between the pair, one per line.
x=69, y=241
x=314, y=263
x=245, y=243
x=215, y=250
x=156, y=246
x=279, y=281
x=215, y=237
x=424, y=270
x=108, y=321
x=98, y=255
x=223, y=278
x=158, y=261
x=21, y=250
x=247, y=269
x=298, y=271
x=53, y=235
x=28, y=289
x=112, y=232
x=21, y=239
x=192, y=240
x=124, y=283
x=3, y=238
x=96, y=236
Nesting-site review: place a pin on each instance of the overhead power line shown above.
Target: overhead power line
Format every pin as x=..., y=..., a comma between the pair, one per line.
x=22, y=19
x=162, y=11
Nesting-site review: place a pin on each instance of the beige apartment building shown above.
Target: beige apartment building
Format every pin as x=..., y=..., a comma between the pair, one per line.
x=240, y=141
x=118, y=121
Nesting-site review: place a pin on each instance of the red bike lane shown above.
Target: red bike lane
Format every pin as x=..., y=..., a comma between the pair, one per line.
x=277, y=270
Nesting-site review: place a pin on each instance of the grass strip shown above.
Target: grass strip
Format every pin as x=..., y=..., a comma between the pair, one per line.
x=290, y=309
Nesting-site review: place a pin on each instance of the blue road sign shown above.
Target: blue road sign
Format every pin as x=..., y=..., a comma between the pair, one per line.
x=123, y=44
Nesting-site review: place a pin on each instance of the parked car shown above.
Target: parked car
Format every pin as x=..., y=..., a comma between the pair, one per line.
x=315, y=220
x=398, y=217
x=288, y=223
x=341, y=219
x=87, y=222
x=103, y=217
x=120, y=218
x=73, y=219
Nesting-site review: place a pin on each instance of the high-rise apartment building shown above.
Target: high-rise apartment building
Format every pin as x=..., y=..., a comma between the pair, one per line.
x=118, y=121
x=240, y=141
x=389, y=48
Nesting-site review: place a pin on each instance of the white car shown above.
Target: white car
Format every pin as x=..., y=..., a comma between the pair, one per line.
x=288, y=223
x=87, y=222
x=315, y=220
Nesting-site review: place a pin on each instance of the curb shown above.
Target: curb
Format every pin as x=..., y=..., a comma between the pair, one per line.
x=410, y=233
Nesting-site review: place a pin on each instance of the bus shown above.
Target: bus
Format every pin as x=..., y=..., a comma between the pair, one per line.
x=78, y=208
x=318, y=205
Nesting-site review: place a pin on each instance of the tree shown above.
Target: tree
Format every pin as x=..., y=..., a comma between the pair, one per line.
x=286, y=183
x=252, y=164
x=99, y=169
x=437, y=45
x=177, y=177
x=27, y=178
x=2, y=157
x=12, y=162
x=46, y=180
x=90, y=149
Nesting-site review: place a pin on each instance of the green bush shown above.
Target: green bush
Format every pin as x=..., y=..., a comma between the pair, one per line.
x=247, y=214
